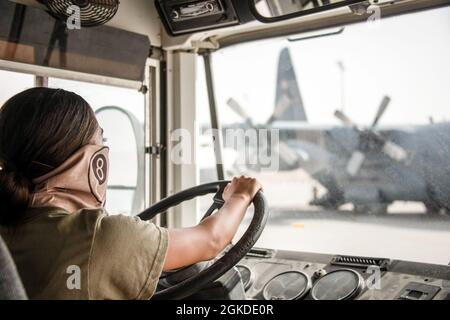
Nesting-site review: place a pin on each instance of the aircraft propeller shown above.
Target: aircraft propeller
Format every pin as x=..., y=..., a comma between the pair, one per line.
x=237, y=108
x=381, y=110
x=369, y=140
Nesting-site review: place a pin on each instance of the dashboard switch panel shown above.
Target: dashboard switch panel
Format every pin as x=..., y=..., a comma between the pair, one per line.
x=418, y=291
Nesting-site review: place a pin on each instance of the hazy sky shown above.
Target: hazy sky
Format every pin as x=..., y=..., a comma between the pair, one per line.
x=406, y=57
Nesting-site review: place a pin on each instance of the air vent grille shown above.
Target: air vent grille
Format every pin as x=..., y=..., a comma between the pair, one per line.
x=260, y=253
x=362, y=262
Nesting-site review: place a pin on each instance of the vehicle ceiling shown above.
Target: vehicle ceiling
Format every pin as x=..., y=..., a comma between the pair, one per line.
x=141, y=16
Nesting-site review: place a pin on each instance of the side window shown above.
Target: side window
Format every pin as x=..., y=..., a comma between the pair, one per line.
x=125, y=185
x=13, y=83
x=120, y=113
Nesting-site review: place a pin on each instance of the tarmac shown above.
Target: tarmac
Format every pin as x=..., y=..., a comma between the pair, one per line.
x=406, y=232
x=401, y=236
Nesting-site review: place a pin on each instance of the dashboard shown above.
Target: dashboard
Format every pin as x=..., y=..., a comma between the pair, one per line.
x=284, y=275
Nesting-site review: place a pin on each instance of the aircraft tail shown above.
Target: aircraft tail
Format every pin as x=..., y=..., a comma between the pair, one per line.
x=288, y=104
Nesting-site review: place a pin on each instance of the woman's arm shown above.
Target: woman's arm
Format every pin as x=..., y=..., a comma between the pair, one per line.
x=206, y=240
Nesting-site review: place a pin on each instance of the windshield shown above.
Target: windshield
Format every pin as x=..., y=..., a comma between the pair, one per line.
x=354, y=154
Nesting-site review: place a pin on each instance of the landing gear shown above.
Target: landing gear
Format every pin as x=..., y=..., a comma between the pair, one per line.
x=328, y=201
x=374, y=209
x=434, y=208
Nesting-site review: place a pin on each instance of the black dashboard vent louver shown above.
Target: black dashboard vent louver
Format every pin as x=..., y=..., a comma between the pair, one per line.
x=260, y=253
x=360, y=262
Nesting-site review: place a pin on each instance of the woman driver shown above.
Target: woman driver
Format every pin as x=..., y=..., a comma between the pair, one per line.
x=53, y=177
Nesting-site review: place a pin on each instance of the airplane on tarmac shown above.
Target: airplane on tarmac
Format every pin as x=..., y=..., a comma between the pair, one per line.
x=369, y=167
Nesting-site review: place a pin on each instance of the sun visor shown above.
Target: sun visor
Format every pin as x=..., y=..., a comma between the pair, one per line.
x=30, y=35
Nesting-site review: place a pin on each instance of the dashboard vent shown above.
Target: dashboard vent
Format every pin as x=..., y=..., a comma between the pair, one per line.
x=360, y=262
x=260, y=253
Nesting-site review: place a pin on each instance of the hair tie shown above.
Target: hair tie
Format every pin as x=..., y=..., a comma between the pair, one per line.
x=8, y=167
x=2, y=166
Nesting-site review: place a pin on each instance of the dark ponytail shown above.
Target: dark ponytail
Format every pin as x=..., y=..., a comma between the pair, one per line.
x=15, y=193
x=39, y=129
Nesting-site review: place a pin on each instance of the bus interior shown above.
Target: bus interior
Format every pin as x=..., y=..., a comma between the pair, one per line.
x=340, y=108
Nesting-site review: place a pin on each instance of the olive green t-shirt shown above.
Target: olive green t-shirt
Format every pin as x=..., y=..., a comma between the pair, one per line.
x=86, y=255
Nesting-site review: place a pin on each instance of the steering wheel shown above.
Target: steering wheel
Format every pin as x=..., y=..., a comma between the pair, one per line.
x=218, y=268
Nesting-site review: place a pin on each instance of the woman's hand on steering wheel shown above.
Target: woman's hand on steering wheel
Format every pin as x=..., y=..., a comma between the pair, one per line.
x=242, y=187
x=207, y=240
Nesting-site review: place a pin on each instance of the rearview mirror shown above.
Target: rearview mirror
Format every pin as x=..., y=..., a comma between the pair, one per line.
x=277, y=10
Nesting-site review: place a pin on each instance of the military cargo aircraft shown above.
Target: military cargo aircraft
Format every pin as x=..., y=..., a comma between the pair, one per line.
x=369, y=167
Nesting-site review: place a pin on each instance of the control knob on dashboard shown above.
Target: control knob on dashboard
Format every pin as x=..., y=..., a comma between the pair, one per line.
x=319, y=273
x=174, y=14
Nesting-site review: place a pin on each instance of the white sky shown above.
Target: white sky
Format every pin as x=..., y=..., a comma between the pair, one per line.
x=406, y=57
